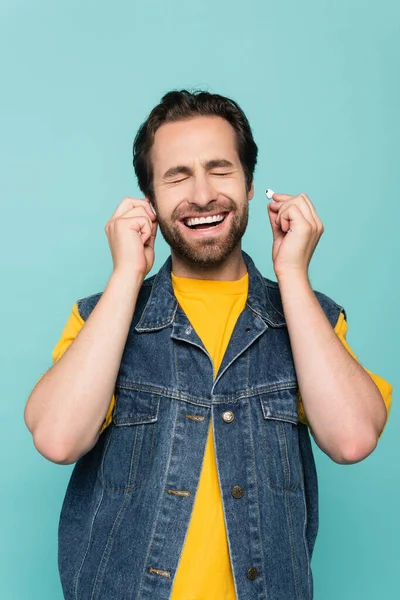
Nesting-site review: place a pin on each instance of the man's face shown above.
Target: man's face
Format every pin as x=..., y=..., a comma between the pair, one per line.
x=197, y=173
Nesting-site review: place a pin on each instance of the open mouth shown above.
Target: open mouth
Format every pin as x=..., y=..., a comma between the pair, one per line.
x=196, y=223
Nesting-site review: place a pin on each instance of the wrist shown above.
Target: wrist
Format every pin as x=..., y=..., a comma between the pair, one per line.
x=127, y=279
x=293, y=275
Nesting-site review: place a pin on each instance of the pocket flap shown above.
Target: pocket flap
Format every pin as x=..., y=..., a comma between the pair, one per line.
x=133, y=407
x=281, y=404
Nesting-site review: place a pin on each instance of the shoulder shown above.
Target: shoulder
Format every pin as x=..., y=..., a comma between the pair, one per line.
x=331, y=308
x=87, y=304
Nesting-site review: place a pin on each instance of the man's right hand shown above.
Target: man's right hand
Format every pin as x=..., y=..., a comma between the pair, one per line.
x=131, y=252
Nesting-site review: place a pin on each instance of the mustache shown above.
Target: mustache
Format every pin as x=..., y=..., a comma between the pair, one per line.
x=198, y=210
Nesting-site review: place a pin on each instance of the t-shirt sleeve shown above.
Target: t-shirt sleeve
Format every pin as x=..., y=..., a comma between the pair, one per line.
x=384, y=387
x=71, y=329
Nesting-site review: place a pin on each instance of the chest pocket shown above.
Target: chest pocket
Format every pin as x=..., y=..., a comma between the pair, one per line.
x=281, y=439
x=128, y=449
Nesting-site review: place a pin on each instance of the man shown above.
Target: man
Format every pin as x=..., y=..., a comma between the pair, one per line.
x=197, y=480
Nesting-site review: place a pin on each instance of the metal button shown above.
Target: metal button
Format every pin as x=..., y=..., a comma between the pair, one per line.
x=228, y=416
x=252, y=573
x=237, y=491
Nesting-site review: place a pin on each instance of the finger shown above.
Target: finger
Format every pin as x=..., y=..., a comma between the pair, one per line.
x=282, y=220
x=139, y=211
x=275, y=206
x=153, y=210
x=142, y=225
x=304, y=207
x=150, y=242
x=147, y=207
x=312, y=208
x=149, y=210
x=292, y=218
x=282, y=197
x=123, y=206
x=141, y=208
x=129, y=203
x=276, y=229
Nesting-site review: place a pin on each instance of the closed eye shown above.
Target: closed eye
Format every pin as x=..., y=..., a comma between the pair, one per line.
x=218, y=174
x=179, y=180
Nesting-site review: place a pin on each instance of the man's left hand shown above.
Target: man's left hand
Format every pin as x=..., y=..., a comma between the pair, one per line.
x=292, y=250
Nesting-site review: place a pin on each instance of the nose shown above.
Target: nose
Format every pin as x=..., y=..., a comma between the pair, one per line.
x=203, y=191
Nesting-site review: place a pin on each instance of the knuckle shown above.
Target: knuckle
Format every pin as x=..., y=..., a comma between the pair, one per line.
x=140, y=211
x=309, y=226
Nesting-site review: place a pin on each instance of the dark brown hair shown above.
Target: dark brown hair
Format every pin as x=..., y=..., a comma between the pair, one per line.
x=178, y=105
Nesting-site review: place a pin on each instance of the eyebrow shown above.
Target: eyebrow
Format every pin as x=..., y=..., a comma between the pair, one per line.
x=210, y=164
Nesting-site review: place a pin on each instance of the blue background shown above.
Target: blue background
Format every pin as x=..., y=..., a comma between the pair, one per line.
x=319, y=82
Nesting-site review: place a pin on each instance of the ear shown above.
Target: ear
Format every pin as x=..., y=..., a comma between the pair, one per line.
x=250, y=193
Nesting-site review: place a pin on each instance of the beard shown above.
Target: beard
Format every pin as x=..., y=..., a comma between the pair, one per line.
x=208, y=251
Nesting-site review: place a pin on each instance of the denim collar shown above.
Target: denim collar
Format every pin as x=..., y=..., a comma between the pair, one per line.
x=162, y=304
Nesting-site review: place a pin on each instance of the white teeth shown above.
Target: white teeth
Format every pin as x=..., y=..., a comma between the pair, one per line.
x=199, y=221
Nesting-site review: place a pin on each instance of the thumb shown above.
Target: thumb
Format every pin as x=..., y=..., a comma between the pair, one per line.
x=281, y=197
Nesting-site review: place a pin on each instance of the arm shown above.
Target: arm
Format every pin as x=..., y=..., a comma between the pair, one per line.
x=385, y=389
x=344, y=407
x=67, y=407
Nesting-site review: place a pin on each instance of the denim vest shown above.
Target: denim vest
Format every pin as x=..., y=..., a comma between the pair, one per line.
x=130, y=498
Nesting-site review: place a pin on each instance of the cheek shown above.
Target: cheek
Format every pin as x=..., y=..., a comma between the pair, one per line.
x=167, y=201
x=173, y=195
x=230, y=187
x=235, y=185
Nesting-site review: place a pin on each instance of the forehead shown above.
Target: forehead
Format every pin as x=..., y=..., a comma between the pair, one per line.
x=191, y=139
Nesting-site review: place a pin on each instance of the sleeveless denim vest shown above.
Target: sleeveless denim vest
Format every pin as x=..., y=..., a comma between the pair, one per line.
x=130, y=498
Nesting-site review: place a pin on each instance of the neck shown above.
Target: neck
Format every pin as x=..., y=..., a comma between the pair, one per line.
x=231, y=269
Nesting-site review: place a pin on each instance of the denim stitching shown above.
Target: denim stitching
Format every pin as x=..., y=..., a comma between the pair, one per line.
x=273, y=306
x=269, y=473
x=77, y=577
x=128, y=487
x=283, y=446
x=304, y=529
x=292, y=546
x=178, y=395
x=107, y=549
x=236, y=357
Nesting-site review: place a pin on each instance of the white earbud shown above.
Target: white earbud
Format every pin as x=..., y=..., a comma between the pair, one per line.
x=269, y=193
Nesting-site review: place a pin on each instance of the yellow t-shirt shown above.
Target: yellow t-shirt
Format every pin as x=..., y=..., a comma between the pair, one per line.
x=213, y=308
